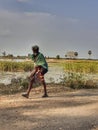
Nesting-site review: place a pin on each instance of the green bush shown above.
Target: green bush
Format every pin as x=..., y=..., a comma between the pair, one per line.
x=77, y=81
x=24, y=84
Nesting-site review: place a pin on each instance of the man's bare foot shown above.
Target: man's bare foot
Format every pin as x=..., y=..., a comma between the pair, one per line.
x=44, y=96
x=25, y=95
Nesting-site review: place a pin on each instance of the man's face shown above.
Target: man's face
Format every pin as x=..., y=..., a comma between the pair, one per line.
x=34, y=52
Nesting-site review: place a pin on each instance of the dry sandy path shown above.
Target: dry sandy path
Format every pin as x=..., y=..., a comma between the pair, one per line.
x=66, y=110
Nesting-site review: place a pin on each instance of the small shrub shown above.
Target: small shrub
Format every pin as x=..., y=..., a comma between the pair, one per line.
x=78, y=81
x=24, y=83
x=74, y=80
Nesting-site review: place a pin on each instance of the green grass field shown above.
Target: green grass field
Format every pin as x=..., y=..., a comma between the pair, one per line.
x=81, y=66
x=15, y=66
x=86, y=66
x=75, y=71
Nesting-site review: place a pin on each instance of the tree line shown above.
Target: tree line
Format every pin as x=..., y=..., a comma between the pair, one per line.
x=73, y=55
x=68, y=55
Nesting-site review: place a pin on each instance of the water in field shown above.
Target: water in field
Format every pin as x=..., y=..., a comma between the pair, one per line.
x=54, y=75
x=5, y=77
x=14, y=60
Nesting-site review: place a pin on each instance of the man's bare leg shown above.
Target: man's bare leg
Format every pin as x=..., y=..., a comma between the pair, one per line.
x=45, y=89
x=28, y=90
x=31, y=78
x=29, y=87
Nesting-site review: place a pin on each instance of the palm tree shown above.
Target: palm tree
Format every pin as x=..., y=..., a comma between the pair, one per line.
x=76, y=54
x=65, y=56
x=89, y=52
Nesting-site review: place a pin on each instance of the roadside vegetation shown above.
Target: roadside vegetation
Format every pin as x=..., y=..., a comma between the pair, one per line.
x=76, y=74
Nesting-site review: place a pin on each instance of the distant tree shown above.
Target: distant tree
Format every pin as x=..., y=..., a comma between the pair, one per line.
x=76, y=54
x=45, y=57
x=66, y=56
x=90, y=53
x=29, y=55
x=10, y=56
x=18, y=57
x=21, y=57
x=4, y=53
x=58, y=57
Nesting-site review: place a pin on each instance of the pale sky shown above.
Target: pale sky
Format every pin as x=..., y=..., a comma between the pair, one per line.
x=57, y=26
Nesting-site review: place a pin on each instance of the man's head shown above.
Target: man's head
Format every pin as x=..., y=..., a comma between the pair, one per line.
x=35, y=50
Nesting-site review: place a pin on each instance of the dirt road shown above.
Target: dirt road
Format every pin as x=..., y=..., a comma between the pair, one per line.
x=64, y=110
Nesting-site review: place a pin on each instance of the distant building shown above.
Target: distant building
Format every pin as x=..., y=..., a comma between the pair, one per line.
x=70, y=55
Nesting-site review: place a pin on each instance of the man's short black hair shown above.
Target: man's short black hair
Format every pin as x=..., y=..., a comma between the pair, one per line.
x=35, y=48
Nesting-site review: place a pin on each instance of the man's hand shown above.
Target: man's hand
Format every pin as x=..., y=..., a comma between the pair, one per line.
x=31, y=77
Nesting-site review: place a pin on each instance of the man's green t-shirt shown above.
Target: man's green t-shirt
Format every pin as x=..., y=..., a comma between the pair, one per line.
x=40, y=60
